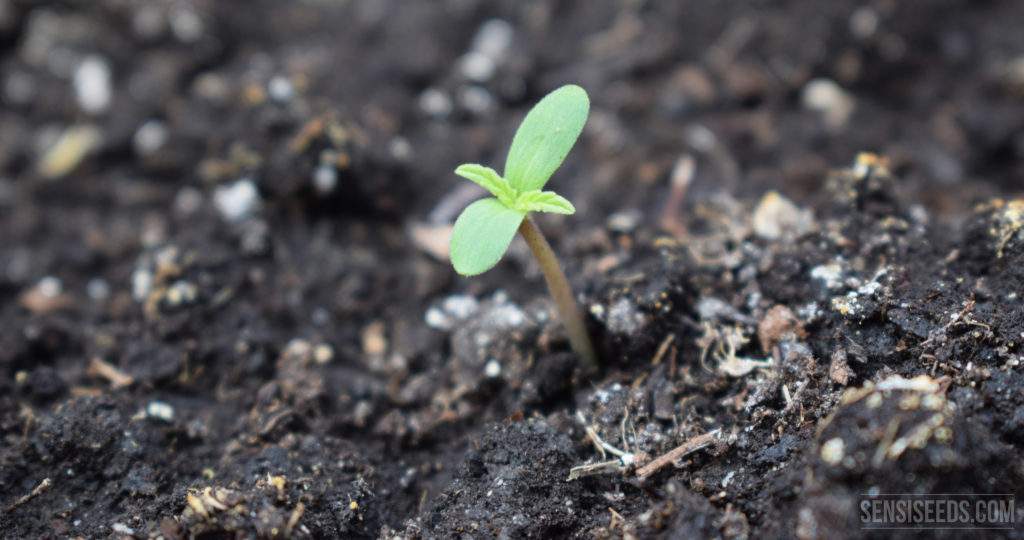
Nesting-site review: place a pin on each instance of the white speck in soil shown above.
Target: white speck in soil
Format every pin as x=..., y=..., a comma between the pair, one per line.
x=475, y=99
x=832, y=452
x=237, y=201
x=830, y=274
x=160, y=410
x=186, y=24
x=492, y=369
x=476, y=66
x=149, y=138
x=493, y=39
x=325, y=179
x=280, y=89
x=320, y=316
x=97, y=289
x=624, y=319
x=400, y=149
x=460, y=306
x=92, y=84
x=181, y=292
x=323, y=353
x=436, y=319
x=142, y=280
x=50, y=287
x=435, y=103
x=188, y=201
x=624, y=221
x=831, y=101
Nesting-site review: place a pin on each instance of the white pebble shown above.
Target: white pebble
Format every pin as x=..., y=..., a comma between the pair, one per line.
x=50, y=287
x=475, y=99
x=435, y=103
x=142, y=280
x=323, y=353
x=182, y=292
x=492, y=369
x=237, y=201
x=325, y=179
x=93, y=89
x=436, y=319
x=150, y=137
x=97, y=289
x=160, y=410
x=280, y=89
x=493, y=39
x=185, y=23
x=827, y=98
x=477, y=67
x=460, y=306
x=188, y=200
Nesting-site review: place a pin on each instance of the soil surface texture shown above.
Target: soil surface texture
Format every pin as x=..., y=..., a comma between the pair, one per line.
x=226, y=309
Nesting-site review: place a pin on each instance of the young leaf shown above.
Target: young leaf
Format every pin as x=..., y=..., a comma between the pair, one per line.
x=545, y=137
x=482, y=234
x=489, y=179
x=544, y=201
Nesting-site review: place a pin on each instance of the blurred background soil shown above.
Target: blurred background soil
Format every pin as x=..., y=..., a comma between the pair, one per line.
x=226, y=308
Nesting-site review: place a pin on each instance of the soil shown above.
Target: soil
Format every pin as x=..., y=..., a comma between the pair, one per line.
x=226, y=312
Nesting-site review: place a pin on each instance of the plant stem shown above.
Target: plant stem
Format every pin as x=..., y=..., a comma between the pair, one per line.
x=572, y=317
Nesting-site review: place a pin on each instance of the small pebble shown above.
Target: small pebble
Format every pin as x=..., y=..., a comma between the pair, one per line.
x=237, y=201
x=776, y=217
x=436, y=319
x=477, y=67
x=832, y=451
x=92, y=82
x=188, y=201
x=323, y=353
x=160, y=410
x=827, y=98
x=150, y=137
x=182, y=292
x=475, y=99
x=493, y=39
x=492, y=369
x=435, y=103
x=325, y=179
x=142, y=280
x=400, y=149
x=280, y=89
x=50, y=287
x=460, y=306
x=623, y=222
x=186, y=24
x=97, y=289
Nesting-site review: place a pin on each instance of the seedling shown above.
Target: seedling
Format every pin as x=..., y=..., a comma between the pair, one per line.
x=485, y=228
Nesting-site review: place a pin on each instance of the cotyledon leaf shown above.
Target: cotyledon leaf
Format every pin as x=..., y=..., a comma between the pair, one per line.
x=482, y=234
x=545, y=137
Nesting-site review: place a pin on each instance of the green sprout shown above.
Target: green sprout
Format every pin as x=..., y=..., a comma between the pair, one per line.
x=485, y=228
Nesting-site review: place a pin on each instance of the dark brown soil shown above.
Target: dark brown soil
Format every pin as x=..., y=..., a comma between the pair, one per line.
x=225, y=310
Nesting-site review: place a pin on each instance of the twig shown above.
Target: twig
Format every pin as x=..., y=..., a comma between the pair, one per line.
x=677, y=453
x=117, y=378
x=35, y=493
x=679, y=185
